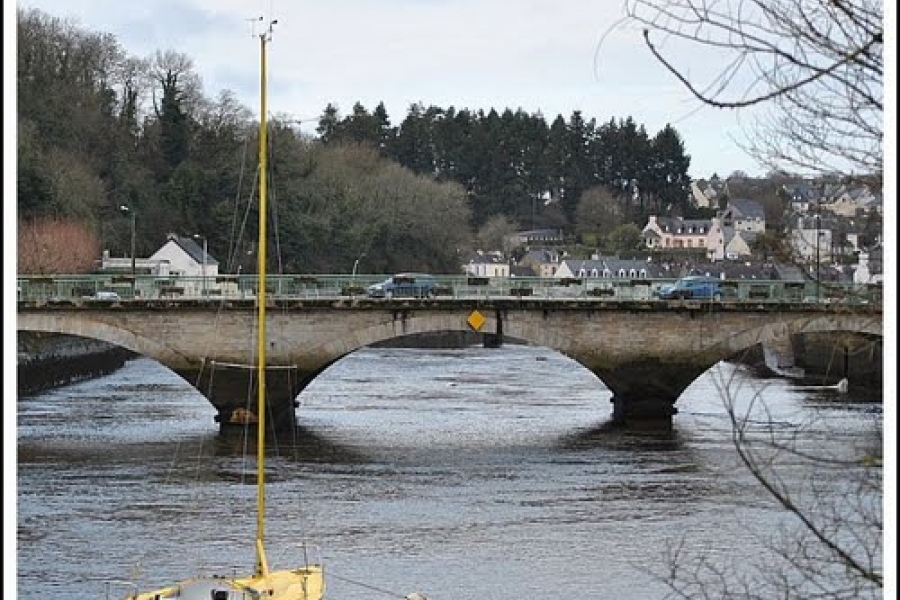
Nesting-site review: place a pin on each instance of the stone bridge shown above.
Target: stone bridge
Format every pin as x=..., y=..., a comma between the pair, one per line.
x=646, y=352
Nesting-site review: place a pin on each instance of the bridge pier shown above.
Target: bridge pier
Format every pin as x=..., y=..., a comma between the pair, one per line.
x=643, y=413
x=232, y=390
x=644, y=394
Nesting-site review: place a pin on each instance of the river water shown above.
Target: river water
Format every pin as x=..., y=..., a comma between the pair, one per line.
x=484, y=474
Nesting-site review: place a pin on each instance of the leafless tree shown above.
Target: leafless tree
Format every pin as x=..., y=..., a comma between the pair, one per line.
x=815, y=67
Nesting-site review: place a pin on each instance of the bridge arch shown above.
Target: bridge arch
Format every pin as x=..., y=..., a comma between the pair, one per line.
x=646, y=354
x=115, y=334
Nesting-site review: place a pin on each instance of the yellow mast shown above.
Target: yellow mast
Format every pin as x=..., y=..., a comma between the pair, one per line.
x=261, y=563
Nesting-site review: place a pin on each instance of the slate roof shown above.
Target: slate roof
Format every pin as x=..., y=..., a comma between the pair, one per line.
x=193, y=249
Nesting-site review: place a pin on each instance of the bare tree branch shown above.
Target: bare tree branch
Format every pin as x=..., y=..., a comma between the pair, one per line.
x=817, y=65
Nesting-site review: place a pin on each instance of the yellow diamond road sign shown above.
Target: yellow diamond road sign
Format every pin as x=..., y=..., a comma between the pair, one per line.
x=475, y=320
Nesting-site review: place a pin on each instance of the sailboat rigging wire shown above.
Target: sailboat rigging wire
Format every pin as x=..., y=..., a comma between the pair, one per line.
x=236, y=235
x=247, y=366
x=367, y=585
x=236, y=250
x=273, y=204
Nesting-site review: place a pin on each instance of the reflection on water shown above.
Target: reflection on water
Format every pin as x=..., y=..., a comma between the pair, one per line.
x=489, y=474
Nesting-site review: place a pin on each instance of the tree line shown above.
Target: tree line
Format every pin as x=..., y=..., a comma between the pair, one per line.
x=104, y=136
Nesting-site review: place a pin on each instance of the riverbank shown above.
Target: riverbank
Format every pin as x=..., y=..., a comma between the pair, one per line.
x=45, y=361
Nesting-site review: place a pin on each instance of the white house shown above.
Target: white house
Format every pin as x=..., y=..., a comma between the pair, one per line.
x=487, y=264
x=186, y=258
x=871, y=267
x=608, y=267
x=812, y=240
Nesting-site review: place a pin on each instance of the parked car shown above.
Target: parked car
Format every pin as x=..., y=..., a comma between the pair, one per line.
x=404, y=285
x=104, y=295
x=692, y=286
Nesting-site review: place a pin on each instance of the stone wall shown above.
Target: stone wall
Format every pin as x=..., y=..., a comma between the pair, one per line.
x=45, y=361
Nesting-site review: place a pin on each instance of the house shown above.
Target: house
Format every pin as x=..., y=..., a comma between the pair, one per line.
x=534, y=236
x=800, y=196
x=848, y=202
x=542, y=263
x=736, y=270
x=804, y=236
x=738, y=244
x=705, y=194
x=871, y=267
x=667, y=233
x=186, y=257
x=487, y=264
x=609, y=267
x=744, y=215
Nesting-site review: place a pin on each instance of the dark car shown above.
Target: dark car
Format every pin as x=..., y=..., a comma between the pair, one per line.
x=404, y=285
x=693, y=286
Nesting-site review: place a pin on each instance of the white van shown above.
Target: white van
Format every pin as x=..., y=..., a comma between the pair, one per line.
x=104, y=295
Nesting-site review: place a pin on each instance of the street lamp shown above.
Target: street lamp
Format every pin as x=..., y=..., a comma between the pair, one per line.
x=197, y=236
x=818, y=242
x=355, y=264
x=127, y=209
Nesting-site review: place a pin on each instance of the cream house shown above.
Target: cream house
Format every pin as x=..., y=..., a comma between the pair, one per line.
x=665, y=233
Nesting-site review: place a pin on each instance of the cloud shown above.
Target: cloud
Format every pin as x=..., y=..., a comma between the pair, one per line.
x=541, y=56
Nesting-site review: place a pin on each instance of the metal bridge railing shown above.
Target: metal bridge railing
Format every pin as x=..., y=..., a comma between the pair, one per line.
x=106, y=287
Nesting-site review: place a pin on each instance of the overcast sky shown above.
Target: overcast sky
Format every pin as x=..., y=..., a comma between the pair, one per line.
x=541, y=56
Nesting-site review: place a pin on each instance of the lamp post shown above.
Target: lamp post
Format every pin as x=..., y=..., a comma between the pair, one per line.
x=127, y=210
x=355, y=264
x=203, y=264
x=818, y=242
